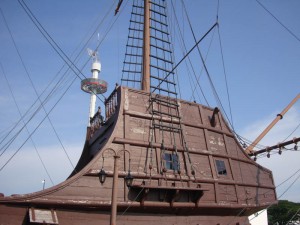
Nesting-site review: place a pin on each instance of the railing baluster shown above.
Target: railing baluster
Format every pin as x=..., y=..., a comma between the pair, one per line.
x=111, y=104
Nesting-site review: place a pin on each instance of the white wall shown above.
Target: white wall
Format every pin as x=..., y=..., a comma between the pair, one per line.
x=260, y=218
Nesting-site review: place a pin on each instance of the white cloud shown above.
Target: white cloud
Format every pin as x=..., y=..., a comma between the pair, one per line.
x=24, y=174
x=279, y=132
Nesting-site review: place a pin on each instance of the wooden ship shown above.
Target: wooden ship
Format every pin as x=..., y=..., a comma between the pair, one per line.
x=152, y=158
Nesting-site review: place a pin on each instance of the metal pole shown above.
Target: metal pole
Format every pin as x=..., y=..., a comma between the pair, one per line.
x=146, y=48
x=113, y=217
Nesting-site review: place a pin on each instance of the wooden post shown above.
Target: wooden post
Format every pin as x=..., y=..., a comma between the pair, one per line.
x=113, y=217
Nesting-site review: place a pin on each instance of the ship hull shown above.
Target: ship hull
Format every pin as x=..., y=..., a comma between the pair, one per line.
x=198, y=193
x=11, y=215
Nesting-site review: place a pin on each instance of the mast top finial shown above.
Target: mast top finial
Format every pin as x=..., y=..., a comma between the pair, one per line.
x=96, y=66
x=93, y=55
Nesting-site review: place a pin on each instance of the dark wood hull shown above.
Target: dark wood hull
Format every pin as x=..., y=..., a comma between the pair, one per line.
x=17, y=215
x=156, y=195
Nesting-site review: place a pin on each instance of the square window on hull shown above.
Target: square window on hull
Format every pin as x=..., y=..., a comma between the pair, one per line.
x=171, y=161
x=221, y=168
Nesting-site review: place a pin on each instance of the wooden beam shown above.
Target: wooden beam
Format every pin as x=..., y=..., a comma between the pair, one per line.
x=279, y=116
x=279, y=145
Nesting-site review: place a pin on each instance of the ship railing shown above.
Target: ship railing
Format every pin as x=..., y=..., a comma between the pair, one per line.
x=96, y=121
x=111, y=104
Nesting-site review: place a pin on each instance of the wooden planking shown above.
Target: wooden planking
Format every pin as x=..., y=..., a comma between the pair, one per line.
x=195, y=138
x=237, y=171
x=254, y=195
x=221, y=189
x=227, y=193
x=88, y=181
x=138, y=129
x=235, y=150
x=190, y=113
x=108, y=157
x=216, y=143
x=12, y=215
x=119, y=129
x=206, y=114
x=265, y=177
x=138, y=159
x=223, y=123
x=138, y=101
x=101, y=218
x=242, y=194
x=266, y=195
x=164, y=108
x=89, y=188
x=251, y=174
x=202, y=166
x=169, y=138
x=67, y=217
x=208, y=196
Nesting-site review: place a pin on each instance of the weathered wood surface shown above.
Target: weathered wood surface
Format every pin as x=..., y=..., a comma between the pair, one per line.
x=245, y=186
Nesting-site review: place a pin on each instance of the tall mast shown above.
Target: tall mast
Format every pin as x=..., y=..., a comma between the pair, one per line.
x=148, y=56
x=146, y=48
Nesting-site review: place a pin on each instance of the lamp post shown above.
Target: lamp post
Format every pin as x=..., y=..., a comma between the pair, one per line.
x=128, y=180
x=113, y=217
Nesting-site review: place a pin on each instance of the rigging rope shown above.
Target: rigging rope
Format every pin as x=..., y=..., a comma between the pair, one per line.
x=37, y=110
x=35, y=90
x=198, y=78
x=184, y=50
x=285, y=27
x=104, y=36
x=225, y=75
x=38, y=125
x=206, y=70
x=52, y=91
x=9, y=142
x=288, y=188
x=50, y=40
x=183, y=58
x=290, y=177
x=207, y=73
x=53, y=44
x=19, y=111
x=292, y=132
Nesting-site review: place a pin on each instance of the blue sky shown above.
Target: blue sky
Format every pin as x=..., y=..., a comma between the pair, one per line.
x=261, y=61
